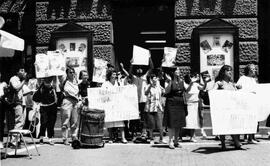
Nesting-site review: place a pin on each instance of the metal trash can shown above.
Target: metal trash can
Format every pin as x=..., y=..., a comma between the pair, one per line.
x=91, y=127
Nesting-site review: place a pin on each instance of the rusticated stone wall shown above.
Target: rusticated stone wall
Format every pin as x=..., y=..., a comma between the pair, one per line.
x=241, y=13
x=95, y=15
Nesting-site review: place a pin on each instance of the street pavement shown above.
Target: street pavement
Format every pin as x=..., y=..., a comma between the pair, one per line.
x=202, y=153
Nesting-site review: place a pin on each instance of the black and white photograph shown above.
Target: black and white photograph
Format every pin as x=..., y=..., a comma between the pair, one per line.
x=134, y=82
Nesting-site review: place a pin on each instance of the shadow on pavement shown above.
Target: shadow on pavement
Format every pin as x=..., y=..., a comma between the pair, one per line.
x=210, y=150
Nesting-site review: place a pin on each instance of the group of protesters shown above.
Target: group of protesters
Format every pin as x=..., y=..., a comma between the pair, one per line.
x=167, y=100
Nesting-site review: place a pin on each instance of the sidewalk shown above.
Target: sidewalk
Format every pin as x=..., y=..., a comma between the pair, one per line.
x=202, y=153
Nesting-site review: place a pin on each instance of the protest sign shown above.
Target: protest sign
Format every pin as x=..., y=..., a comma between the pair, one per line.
x=57, y=64
x=169, y=57
x=140, y=56
x=42, y=66
x=262, y=100
x=77, y=60
x=99, y=72
x=50, y=64
x=119, y=103
x=233, y=112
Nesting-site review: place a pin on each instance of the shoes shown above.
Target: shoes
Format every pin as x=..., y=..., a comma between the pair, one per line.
x=251, y=142
x=66, y=142
x=41, y=141
x=1, y=145
x=171, y=146
x=51, y=142
x=223, y=147
x=110, y=141
x=177, y=145
x=193, y=140
x=256, y=140
x=124, y=141
x=160, y=142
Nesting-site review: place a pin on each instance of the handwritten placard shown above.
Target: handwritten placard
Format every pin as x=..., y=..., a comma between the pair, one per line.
x=119, y=103
x=233, y=112
x=140, y=56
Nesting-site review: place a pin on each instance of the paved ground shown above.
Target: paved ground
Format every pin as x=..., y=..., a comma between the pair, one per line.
x=204, y=152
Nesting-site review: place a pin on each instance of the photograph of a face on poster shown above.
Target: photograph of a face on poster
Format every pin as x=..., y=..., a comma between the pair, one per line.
x=216, y=50
x=216, y=60
x=72, y=46
x=205, y=46
x=72, y=61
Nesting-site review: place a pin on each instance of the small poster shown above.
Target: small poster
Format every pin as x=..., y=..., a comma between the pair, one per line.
x=42, y=66
x=100, y=68
x=216, y=50
x=140, y=56
x=169, y=57
x=50, y=64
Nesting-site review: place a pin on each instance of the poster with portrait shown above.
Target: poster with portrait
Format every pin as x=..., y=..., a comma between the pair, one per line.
x=99, y=72
x=216, y=50
x=75, y=52
x=169, y=57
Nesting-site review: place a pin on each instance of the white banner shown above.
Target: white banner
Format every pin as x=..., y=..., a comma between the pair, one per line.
x=119, y=103
x=140, y=56
x=233, y=112
x=99, y=72
x=169, y=57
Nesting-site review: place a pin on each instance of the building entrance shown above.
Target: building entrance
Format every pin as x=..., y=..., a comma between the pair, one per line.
x=146, y=24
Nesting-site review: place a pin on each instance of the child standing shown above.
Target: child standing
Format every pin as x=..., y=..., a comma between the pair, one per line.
x=153, y=107
x=193, y=88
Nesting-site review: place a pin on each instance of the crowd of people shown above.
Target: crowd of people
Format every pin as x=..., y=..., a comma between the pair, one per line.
x=168, y=102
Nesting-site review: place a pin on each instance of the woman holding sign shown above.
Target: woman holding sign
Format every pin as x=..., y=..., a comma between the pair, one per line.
x=111, y=83
x=224, y=81
x=175, y=112
x=248, y=82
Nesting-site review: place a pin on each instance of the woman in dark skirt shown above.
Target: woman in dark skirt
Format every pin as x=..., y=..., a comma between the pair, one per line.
x=174, y=113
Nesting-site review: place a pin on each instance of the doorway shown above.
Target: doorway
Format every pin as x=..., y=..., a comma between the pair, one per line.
x=146, y=24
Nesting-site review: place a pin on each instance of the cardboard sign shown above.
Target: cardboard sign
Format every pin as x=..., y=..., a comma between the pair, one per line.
x=10, y=41
x=51, y=64
x=233, y=112
x=99, y=72
x=169, y=57
x=140, y=56
x=119, y=103
x=262, y=100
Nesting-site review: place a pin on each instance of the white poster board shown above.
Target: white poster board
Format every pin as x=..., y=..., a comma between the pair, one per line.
x=233, y=112
x=51, y=64
x=169, y=57
x=99, y=71
x=140, y=56
x=262, y=98
x=119, y=103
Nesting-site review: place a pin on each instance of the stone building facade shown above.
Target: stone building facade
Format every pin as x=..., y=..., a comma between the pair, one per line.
x=101, y=16
x=98, y=15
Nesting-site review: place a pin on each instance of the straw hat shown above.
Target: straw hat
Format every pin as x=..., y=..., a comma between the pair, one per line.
x=32, y=116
